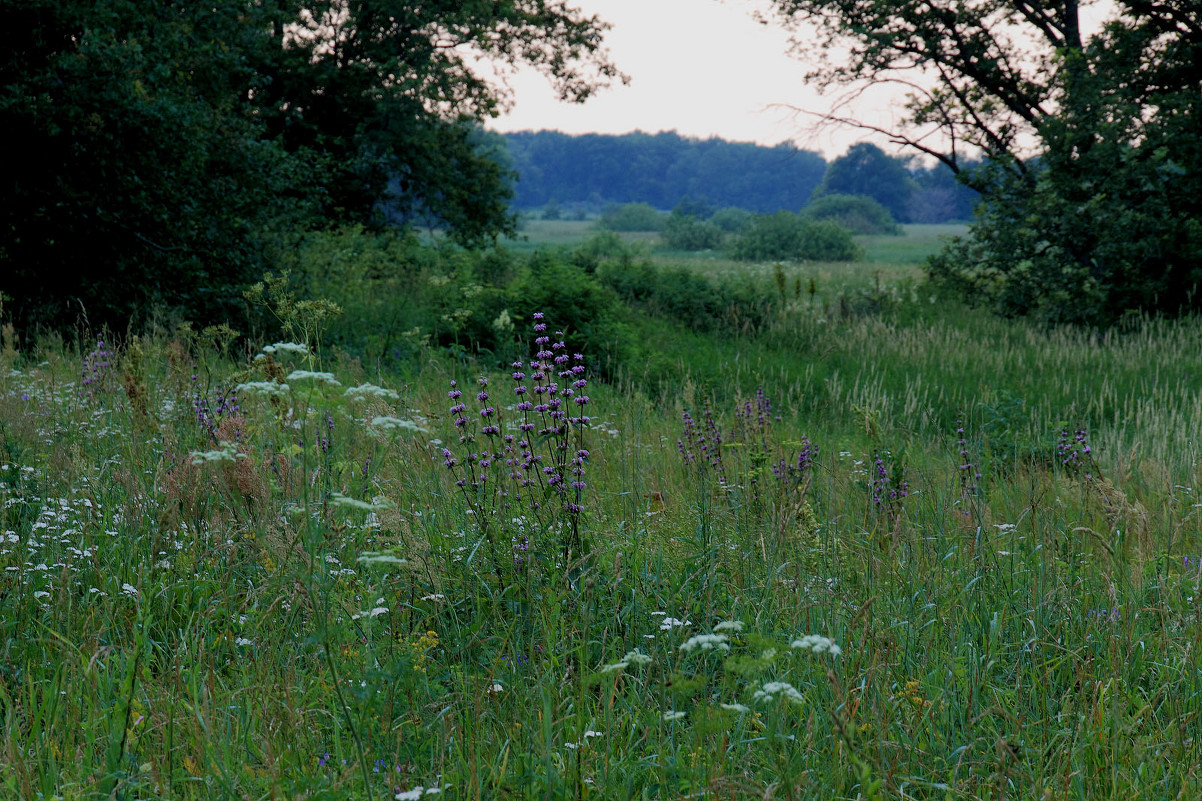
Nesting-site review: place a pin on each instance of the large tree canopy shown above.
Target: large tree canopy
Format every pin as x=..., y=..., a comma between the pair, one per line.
x=157, y=150
x=1094, y=196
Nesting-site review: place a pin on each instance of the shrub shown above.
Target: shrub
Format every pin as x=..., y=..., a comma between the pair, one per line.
x=857, y=213
x=685, y=232
x=732, y=219
x=789, y=236
x=632, y=217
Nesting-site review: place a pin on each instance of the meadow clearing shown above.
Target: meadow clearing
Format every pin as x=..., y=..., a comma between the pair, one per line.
x=876, y=545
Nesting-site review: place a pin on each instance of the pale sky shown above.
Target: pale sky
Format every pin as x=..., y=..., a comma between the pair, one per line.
x=699, y=67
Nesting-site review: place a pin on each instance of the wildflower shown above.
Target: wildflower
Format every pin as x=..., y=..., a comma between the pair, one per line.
x=225, y=452
x=730, y=625
x=671, y=623
x=268, y=388
x=371, y=390
x=742, y=710
x=395, y=424
x=130, y=590
x=772, y=689
x=243, y=641
x=818, y=644
x=672, y=715
x=309, y=375
x=298, y=348
x=636, y=658
x=416, y=793
x=706, y=642
x=354, y=503
x=370, y=613
x=375, y=558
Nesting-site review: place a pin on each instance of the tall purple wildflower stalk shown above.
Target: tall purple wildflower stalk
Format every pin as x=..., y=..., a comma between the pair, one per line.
x=968, y=471
x=1075, y=454
x=98, y=365
x=524, y=478
x=887, y=493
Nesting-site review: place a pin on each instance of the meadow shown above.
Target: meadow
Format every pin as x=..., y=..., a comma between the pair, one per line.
x=874, y=545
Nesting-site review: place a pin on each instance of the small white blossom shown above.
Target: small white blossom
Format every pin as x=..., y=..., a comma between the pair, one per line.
x=671, y=623
x=130, y=590
x=354, y=503
x=370, y=613
x=818, y=644
x=672, y=715
x=769, y=691
x=636, y=658
x=298, y=348
x=309, y=375
x=416, y=793
x=396, y=424
x=366, y=390
x=243, y=641
x=742, y=710
x=271, y=388
x=374, y=558
x=706, y=642
x=226, y=452
x=730, y=625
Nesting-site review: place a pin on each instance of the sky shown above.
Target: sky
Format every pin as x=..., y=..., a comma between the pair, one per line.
x=701, y=68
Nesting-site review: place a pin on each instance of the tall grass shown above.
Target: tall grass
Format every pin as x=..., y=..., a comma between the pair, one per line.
x=280, y=591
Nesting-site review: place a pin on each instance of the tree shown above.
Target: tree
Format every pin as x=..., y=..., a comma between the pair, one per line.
x=1092, y=201
x=867, y=170
x=160, y=151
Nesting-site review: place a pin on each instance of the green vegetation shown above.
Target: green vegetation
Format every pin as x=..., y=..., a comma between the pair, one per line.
x=788, y=236
x=857, y=213
x=825, y=534
x=1091, y=177
x=166, y=156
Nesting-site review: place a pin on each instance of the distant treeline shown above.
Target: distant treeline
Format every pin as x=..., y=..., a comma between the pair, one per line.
x=592, y=171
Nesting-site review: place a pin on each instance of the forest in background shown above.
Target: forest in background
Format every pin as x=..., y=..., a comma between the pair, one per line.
x=585, y=173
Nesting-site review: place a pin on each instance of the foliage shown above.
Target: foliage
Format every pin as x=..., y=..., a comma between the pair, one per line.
x=632, y=217
x=762, y=625
x=1100, y=216
x=790, y=236
x=857, y=213
x=732, y=219
x=868, y=171
x=659, y=169
x=181, y=147
x=686, y=232
x=694, y=301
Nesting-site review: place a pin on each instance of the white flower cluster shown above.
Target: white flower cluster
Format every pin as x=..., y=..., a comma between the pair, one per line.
x=742, y=710
x=396, y=424
x=416, y=793
x=672, y=715
x=734, y=626
x=772, y=689
x=226, y=452
x=309, y=375
x=672, y=623
x=371, y=390
x=632, y=658
x=376, y=558
x=354, y=503
x=269, y=388
x=706, y=642
x=299, y=348
x=370, y=613
x=818, y=644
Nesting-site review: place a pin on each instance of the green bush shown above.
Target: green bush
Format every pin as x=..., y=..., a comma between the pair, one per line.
x=732, y=219
x=857, y=213
x=700, y=303
x=632, y=217
x=684, y=232
x=790, y=237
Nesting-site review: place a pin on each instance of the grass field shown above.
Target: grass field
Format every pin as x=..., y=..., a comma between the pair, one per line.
x=881, y=546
